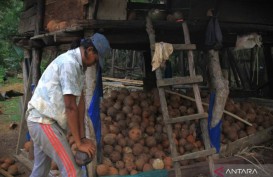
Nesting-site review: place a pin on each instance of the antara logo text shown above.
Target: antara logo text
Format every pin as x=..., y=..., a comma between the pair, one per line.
x=221, y=172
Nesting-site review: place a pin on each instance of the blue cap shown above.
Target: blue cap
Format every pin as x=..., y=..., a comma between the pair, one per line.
x=102, y=45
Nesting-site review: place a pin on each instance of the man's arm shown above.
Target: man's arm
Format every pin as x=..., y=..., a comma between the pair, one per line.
x=81, y=108
x=72, y=113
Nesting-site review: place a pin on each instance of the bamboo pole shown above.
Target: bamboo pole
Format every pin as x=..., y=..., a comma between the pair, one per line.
x=206, y=104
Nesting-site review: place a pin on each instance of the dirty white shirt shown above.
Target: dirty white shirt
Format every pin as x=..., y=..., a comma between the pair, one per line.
x=64, y=75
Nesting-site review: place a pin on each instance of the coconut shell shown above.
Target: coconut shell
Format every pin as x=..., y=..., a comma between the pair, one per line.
x=120, y=164
x=150, y=141
x=250, y=130
x=147, y=167
x=102, y=170
x=115, y=156
x=137, y=149
x=123, y=172
x=130, y=165
x=135, y=134
x=5, y=166
x=133, y=172
x=108, y=149
x=109, y=139
x=9, y=160
x=113, y=171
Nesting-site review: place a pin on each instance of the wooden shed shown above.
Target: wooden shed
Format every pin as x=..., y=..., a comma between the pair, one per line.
x=51, y=25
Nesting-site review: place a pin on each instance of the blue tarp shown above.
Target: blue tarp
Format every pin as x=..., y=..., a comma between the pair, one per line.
x=94, y=108
x=214, y=132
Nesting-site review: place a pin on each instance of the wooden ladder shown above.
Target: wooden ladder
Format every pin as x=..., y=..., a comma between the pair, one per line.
x=192, y=79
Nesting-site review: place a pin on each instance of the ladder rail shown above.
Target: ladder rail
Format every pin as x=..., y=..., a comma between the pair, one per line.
x=198, y=101
x=163, y=102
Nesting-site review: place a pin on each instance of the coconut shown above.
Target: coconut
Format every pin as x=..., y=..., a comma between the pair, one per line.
x=102, y=170
x=109, y=138
x=158, y=164
x=13, y=169
x=135, y=134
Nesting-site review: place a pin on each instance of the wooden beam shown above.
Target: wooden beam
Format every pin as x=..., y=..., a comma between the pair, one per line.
x=187, y=118
x=184, y=46
x=179, y=81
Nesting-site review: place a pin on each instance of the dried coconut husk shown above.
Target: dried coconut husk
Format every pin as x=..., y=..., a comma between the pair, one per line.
x=250, y=130
x=137, y=149
x=120, y=164
x=124, y=91
x=112, y=111
x=150, y=141
x=122, y=142
x=118, y=105
x=115, y=156
x=130, y=165
x=9, y=160
x=109, y=138
x=147, y=167
x=123, y=172
x=133, y=172
x=108, y=149
x=128, y=157
x=135, y=134
x=139, y=164
x=128, y=101
x=107, y=161
x=114, y=94
x=127, y=109
x=121, y=97
x=102, y=170
x=113, y=171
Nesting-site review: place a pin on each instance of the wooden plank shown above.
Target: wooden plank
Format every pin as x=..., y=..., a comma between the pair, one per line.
x=28, y=4
x=195, y=155
x=136, y=82
x=187, y=118
x=184, y=46
x=179, y=81
x=27, y=24
x=29, y=13
x=112, y=10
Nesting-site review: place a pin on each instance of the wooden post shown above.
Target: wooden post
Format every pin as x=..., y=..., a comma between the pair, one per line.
x=90, y=80
x=219, y=84
x=23, y=125
x=36, y=61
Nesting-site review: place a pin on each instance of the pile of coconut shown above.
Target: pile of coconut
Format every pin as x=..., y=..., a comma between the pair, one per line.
x=135, y=138
x=9, y=165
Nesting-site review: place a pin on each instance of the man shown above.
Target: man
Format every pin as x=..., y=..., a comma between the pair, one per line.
x=57, y=105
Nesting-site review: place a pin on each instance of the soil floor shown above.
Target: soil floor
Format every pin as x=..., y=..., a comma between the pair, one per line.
x=9, y=137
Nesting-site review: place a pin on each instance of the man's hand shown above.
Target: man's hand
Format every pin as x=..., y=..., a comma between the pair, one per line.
x=88, y=147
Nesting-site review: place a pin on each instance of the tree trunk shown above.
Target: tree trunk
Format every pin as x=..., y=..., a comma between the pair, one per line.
x=220, y=85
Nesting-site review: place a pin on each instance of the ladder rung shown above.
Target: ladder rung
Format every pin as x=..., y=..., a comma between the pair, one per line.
x=187, y=118
x=195, y=155
x=184, y=46
x=179, y=81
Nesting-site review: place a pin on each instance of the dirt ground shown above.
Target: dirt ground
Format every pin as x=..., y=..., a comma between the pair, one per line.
x=9, y=137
